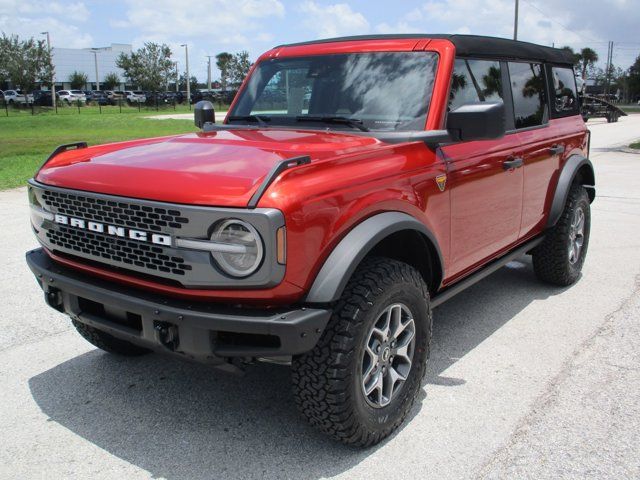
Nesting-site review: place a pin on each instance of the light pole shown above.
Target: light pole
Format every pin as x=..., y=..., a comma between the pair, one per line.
x=177, y=77
x=95, y=58
x=515, y=23
x=53, y=73
x=186, y=54
x=209, y=73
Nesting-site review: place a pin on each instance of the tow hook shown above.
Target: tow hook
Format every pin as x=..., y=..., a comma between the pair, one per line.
x=167, y=334
x=53, y=297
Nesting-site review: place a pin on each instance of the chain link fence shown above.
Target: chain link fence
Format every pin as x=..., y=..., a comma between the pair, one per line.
x=78, y=107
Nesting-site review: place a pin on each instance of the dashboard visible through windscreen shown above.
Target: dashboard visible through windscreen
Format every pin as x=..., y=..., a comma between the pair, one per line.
x=369, y=91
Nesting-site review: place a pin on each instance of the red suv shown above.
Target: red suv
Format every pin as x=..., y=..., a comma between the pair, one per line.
x=355, y=184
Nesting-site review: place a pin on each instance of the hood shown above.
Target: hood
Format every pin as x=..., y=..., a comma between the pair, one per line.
x=220, y=168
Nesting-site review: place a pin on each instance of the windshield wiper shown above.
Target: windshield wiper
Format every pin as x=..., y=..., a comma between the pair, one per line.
x=262, y=120
x=351, y=122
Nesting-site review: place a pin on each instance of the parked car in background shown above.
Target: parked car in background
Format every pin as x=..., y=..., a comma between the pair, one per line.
x=71, y=96
x=42, y=98
x=135, y=97
x=13, y=97
x=100, y=98
x=80, y=95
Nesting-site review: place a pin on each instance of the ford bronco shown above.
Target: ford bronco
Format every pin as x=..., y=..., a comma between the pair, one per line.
x=354, y=185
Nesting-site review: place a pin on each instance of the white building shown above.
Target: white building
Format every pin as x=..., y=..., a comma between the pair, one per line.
x=68, y=60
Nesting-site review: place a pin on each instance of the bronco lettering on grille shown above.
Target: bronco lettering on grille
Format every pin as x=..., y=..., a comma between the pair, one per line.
x=139, y=235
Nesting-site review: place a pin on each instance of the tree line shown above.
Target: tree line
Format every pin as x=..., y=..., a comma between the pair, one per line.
x=626, y=81
x=28, y=63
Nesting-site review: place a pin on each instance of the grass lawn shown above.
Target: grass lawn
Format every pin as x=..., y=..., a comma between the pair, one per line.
x=634, y=108
x=26, y=141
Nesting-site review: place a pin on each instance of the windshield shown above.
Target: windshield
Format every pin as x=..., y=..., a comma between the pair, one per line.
x=368, y=91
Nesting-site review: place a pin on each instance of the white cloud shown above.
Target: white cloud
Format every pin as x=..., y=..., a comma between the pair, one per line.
x=333, y=20
x=219, y=20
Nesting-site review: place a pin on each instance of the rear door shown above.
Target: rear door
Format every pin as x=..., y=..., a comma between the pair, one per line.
x=485, y=177
x=531, y=120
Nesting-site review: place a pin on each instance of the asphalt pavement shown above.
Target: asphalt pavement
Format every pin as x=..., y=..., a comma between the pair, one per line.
x=525, y=380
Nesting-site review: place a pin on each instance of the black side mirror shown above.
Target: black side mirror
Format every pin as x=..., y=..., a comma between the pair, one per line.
x=203, y=113
x=476, y=121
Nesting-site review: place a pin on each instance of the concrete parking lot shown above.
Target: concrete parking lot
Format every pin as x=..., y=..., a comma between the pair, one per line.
x=525, y=380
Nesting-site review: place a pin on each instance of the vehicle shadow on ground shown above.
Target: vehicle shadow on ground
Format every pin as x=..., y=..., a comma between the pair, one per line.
x=179, y=420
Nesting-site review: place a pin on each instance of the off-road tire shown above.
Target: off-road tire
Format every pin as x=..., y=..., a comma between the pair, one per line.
x=107, y=342
x=326, y=380
x=551, y=258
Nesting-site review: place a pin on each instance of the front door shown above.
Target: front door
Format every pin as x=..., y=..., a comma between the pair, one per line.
x=485, y=177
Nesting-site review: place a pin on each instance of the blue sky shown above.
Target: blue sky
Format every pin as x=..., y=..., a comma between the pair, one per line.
x=212, y=26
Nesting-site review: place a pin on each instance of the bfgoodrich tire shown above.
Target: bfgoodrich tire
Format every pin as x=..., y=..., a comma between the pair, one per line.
x=363, y=376
x=559, y=258
x=107, y=342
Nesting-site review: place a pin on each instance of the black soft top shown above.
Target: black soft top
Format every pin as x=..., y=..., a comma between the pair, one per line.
x=472, y=46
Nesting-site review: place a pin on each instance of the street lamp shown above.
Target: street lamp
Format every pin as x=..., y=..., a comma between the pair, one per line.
x=186, y=54
x=53, y=73
x=209, y=73
x=95, y=59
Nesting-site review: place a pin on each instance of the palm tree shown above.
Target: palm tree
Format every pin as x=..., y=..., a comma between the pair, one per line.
x=588, y=58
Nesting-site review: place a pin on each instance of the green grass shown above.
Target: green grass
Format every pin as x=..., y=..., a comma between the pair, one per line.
x=635, y=145
x=630, y=108
x=26, y=140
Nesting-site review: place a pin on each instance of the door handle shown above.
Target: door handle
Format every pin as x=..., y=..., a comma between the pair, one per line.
x=512, y=163
x=556, y=150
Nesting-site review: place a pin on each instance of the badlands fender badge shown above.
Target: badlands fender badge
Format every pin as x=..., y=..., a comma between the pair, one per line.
x=441, y=181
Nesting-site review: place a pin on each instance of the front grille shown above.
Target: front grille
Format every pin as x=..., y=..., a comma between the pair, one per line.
x=114, y=212
x=117, y=249
x=142, y=255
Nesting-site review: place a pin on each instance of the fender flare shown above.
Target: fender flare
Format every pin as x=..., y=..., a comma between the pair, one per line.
x=567, y=176
x=347, y=255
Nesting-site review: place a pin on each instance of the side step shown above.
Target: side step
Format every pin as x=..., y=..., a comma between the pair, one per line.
x=453, y=290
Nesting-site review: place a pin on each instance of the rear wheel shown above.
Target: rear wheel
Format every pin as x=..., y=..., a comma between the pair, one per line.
x=107, y=342
x=560, y=257
x=363, y=376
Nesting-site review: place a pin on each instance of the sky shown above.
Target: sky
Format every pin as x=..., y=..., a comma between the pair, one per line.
x=212, y=26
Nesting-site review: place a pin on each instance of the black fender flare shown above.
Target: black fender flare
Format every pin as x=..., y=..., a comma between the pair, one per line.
x=566, y=179
x=347, y=255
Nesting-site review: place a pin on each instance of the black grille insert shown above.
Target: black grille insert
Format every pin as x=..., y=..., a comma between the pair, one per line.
x=117, y=249
x=114, y=212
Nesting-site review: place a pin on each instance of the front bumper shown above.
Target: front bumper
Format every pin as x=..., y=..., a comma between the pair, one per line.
x=204, y=332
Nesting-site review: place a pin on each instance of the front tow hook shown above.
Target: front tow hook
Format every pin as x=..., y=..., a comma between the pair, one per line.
x=167, y=334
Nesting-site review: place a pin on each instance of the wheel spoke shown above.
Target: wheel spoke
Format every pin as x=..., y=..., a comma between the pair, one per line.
x=376, y=384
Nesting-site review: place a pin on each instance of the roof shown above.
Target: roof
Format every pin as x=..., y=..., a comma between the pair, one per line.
x=471, y=46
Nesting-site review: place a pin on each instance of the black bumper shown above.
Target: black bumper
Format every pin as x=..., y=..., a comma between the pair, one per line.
x=201, y=331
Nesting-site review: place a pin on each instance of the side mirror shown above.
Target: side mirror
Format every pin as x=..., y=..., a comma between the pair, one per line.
x=203, y=113
x=477, y=121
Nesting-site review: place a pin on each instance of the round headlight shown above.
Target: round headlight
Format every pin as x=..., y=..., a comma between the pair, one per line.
x=246, y=240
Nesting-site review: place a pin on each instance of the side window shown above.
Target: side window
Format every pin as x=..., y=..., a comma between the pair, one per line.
x=565, y=99
x=475, y=81
x=527, y=87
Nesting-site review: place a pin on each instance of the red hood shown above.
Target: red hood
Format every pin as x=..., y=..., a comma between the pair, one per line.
x=218, y=169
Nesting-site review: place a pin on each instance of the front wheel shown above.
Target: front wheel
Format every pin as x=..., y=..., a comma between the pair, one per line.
x=363, y=376
x=559, y=258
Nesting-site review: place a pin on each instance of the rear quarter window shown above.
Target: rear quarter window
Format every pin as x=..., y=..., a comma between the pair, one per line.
x=564, y=98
